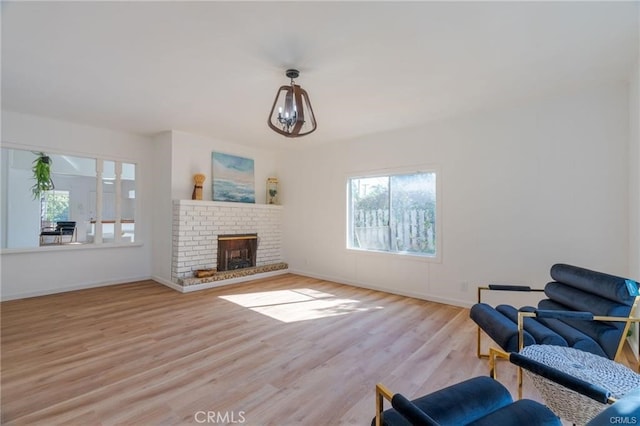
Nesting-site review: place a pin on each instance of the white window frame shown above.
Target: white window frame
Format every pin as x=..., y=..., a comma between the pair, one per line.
x=437, y=258
x=97, y=243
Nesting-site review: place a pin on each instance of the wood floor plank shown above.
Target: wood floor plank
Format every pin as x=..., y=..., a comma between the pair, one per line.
x=278, y=351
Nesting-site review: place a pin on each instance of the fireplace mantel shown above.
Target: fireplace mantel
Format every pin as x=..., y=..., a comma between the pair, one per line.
x=201, y=203
x=197, y=224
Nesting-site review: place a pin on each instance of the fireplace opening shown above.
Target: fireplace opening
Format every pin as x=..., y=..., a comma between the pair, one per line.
x=237, y=251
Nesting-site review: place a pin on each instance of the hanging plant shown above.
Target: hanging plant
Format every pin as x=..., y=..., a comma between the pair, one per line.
x=42, y=175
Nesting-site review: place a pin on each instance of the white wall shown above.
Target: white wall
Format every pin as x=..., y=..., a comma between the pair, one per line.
x=23, y=212
x=162, y=208
x=66, y=268
x=4, y=175
x=634, y=175
x=191, y=154
x=522, y=188
x=180, y=155
x=634, y=187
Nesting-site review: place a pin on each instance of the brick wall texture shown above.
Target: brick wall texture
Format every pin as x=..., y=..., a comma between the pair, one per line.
x=197, y=224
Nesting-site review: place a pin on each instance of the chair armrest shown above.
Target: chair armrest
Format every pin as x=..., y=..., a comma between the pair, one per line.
x=574, y=315
x=508, y=287
x=590, y=390
x=402, y=405
x=411, y=412
x=505, y=287
x=578, y=315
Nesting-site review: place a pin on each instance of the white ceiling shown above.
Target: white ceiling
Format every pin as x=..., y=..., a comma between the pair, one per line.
x=213, y=68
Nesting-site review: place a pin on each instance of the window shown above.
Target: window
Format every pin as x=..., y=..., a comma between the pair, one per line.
x=98, y=195
x=54, y=206
x=116, y=222
x=394, y=213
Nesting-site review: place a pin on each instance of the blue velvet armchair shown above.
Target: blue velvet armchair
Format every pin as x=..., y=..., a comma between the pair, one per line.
x=573, y=289
x=625, y=411
x=480, y=401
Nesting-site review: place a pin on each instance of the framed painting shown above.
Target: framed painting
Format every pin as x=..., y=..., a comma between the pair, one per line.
x=233, y=178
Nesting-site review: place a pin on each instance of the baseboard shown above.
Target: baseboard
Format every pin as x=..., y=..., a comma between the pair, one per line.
x=73, y=288
x=430, y=298
x=167, y=283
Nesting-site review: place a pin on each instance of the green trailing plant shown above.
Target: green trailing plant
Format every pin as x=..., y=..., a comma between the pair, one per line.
x=42, y=175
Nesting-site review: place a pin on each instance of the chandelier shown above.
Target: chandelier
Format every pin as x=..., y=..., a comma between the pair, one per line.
x=291, y=114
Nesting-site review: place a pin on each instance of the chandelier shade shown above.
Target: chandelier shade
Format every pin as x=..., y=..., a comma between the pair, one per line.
x=291, y=114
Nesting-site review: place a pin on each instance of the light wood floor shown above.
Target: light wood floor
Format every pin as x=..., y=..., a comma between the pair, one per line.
x=278, y=351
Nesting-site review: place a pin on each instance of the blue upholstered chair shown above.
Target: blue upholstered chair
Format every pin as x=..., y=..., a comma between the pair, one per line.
x=625, y=411
x=608, y=299
x=480, y=401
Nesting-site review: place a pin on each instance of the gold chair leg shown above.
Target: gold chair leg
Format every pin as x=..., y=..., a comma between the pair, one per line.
x=493, y=354
x=493, y=371
x=479, y=344
x=382, y=393
x=519, y=374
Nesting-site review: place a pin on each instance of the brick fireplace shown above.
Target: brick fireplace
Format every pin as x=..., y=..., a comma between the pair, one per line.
x=197, y=226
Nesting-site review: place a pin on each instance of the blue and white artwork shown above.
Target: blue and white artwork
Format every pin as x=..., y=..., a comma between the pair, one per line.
x=233, y=178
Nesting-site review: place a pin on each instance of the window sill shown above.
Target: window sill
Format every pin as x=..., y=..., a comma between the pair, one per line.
x=72, y=247
x=399, y=255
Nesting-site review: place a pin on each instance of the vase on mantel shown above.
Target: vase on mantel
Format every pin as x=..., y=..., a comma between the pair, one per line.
x=272, y=190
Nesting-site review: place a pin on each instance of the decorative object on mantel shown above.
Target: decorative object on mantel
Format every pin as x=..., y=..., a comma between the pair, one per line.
x=41, y=174
x=291, y=114
x=198, y=180
x=272, y=190
x=232, y=178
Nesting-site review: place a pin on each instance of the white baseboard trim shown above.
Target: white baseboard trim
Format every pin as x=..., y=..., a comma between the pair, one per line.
x=428, y=297
x=167, y=283
x=85, y=286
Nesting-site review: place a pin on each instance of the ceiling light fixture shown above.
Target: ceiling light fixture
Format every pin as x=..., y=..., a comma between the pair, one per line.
x=291, y=114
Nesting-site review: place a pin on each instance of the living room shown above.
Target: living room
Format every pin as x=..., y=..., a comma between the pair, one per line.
x=527, y=113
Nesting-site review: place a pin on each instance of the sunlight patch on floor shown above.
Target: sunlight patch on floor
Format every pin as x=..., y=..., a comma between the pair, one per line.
x=297, y=304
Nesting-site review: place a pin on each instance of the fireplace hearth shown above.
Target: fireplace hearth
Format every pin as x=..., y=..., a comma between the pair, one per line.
x=237, y=251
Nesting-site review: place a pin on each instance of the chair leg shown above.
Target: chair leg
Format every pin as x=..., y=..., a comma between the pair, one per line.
x=519, y=375
x=493, y=371
x=479, y=354
x=493, y=354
